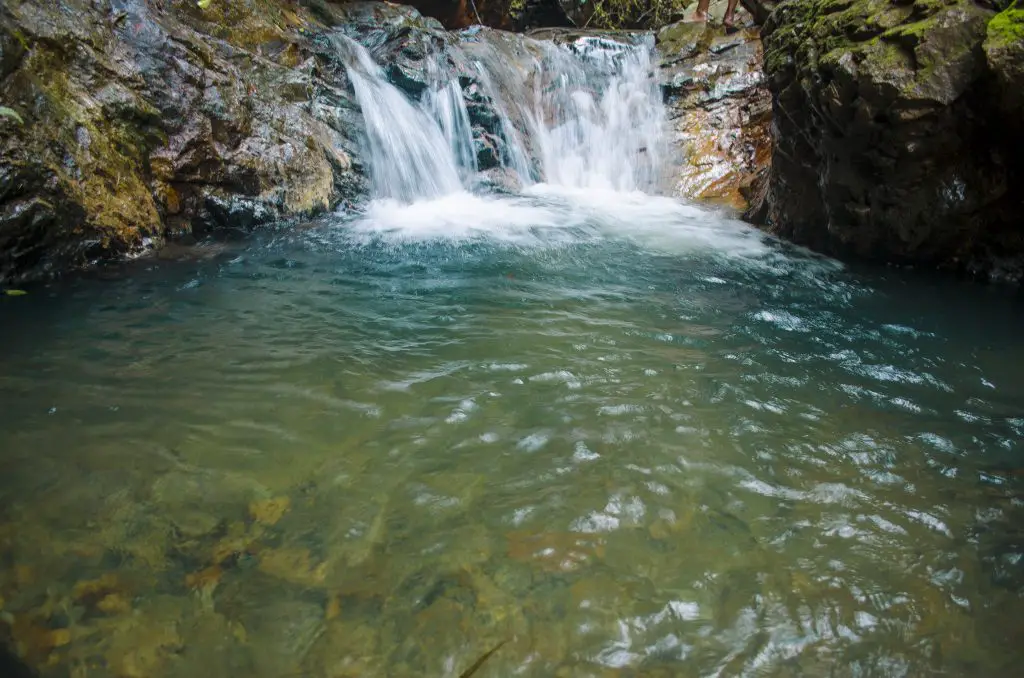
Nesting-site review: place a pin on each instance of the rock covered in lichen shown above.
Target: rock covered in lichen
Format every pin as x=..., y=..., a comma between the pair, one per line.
x=136, y=120
x=1004, y=52
x=894, y=125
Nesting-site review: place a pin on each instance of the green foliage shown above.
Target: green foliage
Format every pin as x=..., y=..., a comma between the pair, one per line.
x=634, y=13
x=1008, y=26
x=11, y=113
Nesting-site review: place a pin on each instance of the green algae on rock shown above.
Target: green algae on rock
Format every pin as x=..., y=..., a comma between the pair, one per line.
x=1004, y=51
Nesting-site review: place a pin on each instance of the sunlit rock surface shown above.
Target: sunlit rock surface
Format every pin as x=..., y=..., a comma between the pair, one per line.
x=719, y=113
x=136, y=120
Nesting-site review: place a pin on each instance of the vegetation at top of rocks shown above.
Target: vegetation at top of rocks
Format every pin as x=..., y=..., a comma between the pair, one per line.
x=635, y=13
x=801, y=30
x=1008, y=26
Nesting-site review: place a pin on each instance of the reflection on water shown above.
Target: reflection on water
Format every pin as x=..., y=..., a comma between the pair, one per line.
x=604, y=447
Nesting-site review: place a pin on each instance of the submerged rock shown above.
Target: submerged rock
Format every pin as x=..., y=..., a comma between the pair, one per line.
x=897, y=127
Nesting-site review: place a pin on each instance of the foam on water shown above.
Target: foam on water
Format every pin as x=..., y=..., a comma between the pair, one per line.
x=546, y=215
x=590, y=113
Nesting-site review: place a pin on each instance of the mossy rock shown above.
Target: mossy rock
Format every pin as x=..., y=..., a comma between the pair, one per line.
x=1004, y=52
x=133, y=125
x=895, y=124
x=1007, y=27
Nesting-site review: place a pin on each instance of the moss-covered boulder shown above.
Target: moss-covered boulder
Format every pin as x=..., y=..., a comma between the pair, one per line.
x=897, y=128
x=129, y=121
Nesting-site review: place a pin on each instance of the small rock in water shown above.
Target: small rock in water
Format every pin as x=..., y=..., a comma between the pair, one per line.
x=269, y=511
x=293, y=565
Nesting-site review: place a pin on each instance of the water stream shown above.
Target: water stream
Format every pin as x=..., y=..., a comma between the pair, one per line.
x=605, y=432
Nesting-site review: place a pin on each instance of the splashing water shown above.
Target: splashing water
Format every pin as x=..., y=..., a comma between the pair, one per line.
x=598, y=116
x=591, y=111
x=587, y=115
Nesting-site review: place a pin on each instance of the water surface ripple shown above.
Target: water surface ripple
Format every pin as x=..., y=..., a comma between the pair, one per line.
x=621, y=447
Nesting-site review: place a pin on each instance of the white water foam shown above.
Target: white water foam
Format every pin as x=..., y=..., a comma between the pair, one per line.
x=546, y=215
x=591, y=112
x=592, y=116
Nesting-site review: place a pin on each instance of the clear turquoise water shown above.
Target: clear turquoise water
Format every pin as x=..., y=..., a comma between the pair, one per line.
x=344, y=451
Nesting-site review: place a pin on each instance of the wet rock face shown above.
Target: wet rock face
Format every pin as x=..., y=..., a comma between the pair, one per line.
x=719, y=112
x=896, y=128
x=135, y=120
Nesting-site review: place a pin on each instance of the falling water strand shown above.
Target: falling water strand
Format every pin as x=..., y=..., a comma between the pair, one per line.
x=592, y=110
x=599, y=116
x=587, y=115
x=514, y=152
x=408, y=152
x=445, y=102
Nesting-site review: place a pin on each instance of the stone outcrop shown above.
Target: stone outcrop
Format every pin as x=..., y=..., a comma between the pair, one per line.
x=510, y=15
x=719, y=113
x=897, y=130
x=132, y=120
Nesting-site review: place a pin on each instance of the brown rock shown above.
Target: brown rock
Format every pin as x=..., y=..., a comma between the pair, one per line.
x=719, y=111
x=92, y=591
x=293, y=565
x=269, y=511
x=555, y=551
x=161, y=119
x=207, y=578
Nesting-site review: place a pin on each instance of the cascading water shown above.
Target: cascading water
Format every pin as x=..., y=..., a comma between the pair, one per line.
x=410, y=154
x=587, y=115
x=598, y=116
x=449, y=110
x=592, y=110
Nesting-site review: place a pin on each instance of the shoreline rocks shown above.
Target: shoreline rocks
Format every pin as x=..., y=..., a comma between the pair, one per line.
x=143, y=121
x=719, y=113
x=863, y=128
x=896, y=132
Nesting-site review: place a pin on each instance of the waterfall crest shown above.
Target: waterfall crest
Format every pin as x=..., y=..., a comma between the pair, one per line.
x=587, y=114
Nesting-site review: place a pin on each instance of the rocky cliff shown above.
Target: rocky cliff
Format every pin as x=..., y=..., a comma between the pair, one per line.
x=894, y=125
x=132, y=120
x=897, y=131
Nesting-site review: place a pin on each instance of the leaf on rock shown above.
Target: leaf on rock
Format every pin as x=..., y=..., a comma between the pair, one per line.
x=11, y=113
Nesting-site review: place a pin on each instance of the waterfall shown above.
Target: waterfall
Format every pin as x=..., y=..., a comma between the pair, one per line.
x=449, y=109
x=598, y=115
x=592, y=110
x=409, y=153
x=584, y=115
